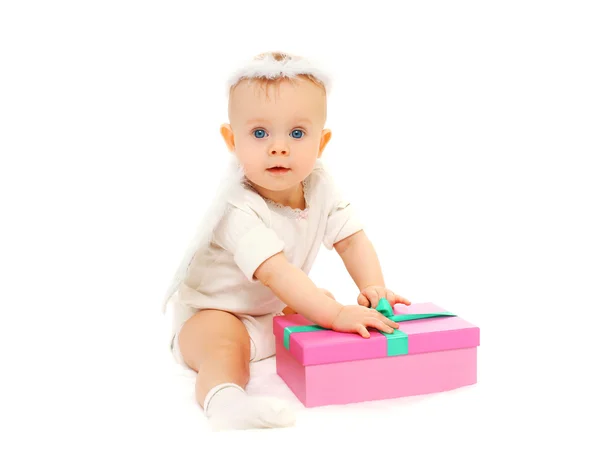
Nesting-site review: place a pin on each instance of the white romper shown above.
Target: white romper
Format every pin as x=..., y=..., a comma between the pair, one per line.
x=252, y=230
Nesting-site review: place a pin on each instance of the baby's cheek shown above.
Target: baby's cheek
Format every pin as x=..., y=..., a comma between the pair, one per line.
x=254, y=171
x=248, y=160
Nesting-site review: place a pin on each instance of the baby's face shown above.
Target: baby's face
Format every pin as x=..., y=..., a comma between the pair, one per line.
x=278, y=134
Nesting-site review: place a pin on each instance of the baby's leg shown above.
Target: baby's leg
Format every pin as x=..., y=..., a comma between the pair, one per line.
x=216, y=345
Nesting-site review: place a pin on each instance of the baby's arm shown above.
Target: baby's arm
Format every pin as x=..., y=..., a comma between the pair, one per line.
x=359, y=257
x=361, y=261
x=295, y=289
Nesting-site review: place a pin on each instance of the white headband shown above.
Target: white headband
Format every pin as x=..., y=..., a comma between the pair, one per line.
x=290, y=66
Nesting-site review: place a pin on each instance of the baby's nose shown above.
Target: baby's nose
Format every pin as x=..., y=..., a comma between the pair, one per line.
x=279, y=151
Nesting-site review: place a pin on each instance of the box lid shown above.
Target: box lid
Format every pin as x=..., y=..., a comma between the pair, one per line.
x=313, y=345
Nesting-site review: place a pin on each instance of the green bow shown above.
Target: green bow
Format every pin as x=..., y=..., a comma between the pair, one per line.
x=397, y=341
x=386, y=310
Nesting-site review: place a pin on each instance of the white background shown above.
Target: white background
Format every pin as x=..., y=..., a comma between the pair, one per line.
x=465, y=133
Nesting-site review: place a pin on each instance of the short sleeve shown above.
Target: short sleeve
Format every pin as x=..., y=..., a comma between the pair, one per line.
x=341, y=222
x=248, y=238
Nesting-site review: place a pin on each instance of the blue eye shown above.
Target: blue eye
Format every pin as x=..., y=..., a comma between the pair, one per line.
x=297, y=134
x=259, y=134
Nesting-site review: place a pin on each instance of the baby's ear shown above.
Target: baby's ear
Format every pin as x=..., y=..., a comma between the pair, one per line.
x=325, y=137
x=227, y=134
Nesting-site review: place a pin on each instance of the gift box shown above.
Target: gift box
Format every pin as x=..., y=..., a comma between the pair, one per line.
x=432, y=351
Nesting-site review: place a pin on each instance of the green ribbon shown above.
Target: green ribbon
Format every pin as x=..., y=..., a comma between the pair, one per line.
x=290, y=329
x=397, y=341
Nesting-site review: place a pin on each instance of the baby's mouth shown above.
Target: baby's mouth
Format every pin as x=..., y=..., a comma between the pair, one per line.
x=278, y=170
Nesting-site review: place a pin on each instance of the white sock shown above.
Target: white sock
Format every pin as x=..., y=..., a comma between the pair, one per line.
x=228, y=406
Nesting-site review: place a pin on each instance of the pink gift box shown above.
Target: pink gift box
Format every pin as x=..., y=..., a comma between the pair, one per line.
x=323, y=367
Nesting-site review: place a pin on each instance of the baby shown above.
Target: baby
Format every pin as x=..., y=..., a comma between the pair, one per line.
x=253, y=254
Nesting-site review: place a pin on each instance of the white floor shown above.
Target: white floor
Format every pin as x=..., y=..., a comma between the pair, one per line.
x=510, y=400
x=89, y=389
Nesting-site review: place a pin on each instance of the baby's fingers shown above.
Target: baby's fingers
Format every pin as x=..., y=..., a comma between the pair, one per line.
x=380, y=325
x=401, y=300
x=371, y=296
x=384, y=319
x=389, y=322
x=362, y=330
x=362, y=300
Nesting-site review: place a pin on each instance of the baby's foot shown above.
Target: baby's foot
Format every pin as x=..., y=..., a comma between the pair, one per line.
x=232, y=408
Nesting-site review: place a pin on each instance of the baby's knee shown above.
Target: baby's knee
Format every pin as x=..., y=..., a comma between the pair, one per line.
x=227, y=347
x=213, y=335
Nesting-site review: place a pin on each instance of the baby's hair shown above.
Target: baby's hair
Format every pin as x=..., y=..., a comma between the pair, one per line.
x=266, y=70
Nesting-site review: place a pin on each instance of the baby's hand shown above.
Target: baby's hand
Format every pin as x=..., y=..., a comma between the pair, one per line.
x=370, y=296
x=356, y=318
